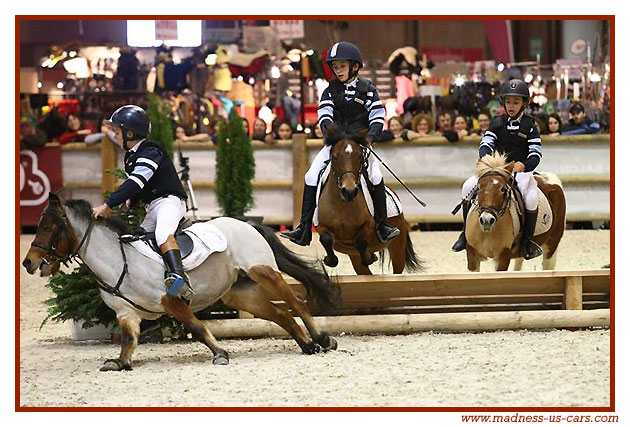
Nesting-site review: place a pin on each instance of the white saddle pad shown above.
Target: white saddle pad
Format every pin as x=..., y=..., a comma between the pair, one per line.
x=545, y=216
x=206, y=238
x=394, y=206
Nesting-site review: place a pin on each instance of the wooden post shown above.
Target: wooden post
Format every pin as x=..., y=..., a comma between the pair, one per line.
x=300, y=165
x=108, y=159
x=572, y=299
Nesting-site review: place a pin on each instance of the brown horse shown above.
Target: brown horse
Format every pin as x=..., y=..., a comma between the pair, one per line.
x=345, y=223
x=490, y=229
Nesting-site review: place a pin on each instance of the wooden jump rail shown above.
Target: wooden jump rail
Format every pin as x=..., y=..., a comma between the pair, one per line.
x=453, y=303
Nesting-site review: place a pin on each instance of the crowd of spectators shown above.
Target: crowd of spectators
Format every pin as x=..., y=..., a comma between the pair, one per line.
x=419, y=124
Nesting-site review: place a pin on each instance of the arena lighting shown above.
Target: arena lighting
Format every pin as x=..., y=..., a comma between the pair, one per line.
x=39, y=85
x=595, y=78
x=239, y=78
x=275, y=72
x=310, y=52
x=141, y=33
x=529, y=77
x=459, y=80
x=206, y=121
x=211, y=59
x=299, y=127
x=251, y=81
x=72, y=53
x=59, y=85
x=501, y=66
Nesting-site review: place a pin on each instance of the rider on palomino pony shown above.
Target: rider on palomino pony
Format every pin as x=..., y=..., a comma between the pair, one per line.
x=514, y=134
x=154, y=180
x=351, y=101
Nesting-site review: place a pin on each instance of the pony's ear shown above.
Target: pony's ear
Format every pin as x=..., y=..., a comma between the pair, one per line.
x=510, y=167
x=64, y=194
x=330, y=130
x=362, y=133
x=53, y=199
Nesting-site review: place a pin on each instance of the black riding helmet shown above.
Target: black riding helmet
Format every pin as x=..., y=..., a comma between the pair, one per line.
x=131, y=118
x=515, y=87
x=345, y=51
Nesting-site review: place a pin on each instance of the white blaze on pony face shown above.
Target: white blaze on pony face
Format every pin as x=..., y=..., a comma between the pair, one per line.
x=349, y=149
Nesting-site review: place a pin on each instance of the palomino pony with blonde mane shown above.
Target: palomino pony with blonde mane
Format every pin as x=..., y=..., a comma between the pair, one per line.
x=493, y=230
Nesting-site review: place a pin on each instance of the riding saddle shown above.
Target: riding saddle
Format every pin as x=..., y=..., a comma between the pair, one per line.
x=183, y=240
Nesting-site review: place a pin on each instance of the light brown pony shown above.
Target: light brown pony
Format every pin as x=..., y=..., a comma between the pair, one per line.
x=490, y=231
x=345, y=223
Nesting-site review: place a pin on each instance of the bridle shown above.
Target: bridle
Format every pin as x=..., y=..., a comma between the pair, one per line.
x=61, y=227
x=507, y=190
x=357, y=174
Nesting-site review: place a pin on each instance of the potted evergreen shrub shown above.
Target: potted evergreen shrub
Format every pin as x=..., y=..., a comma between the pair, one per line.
x=235, y=169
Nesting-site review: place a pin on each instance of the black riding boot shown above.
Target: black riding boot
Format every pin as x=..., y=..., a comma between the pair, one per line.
x=384, y=231
x=176, y=280
x=460, y=244
x=302, y=234
x=529, y=248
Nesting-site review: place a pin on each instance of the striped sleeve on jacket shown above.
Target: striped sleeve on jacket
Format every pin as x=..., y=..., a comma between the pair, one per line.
x=145, y=166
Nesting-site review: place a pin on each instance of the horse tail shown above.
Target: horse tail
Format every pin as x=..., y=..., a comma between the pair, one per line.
x=412, y=262
x=311, y=274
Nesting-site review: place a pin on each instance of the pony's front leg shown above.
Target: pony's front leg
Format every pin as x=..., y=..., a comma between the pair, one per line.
x=130, y=330
x=326, y=239
x=180, y=310
x=503, y=262
x=361, y=246
x=474, y=260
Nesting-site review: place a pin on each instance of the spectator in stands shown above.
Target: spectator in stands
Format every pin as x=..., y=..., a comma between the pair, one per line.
x=106, y=132
x=75, y=132
x=461, y=126
x=483, y=119
x=580, y=123
x=246, y=126
x=260, y=132
x=317, y=131
x=30, y=136
x=181, y=135
x=445, y=127
x=394, y=130
x=284, y=132
x=554, y=124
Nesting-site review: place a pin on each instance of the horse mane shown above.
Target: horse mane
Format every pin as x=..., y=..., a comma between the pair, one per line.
x=83, y=209
x=339, y=132
x=492, y=163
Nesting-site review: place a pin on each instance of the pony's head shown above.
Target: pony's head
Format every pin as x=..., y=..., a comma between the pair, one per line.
x=347, y=156
x=54, y=241
x=495, y=184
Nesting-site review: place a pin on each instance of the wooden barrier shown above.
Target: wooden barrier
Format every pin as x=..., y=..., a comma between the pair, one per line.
x=396, y=324
x=454, y=302
x=432, y=167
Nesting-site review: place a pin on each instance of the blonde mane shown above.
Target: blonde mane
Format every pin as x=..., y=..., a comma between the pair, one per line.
x=492, y=163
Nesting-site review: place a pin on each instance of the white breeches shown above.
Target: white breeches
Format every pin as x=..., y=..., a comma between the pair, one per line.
x=319, y=163
x=526, y=184
x=163, y=216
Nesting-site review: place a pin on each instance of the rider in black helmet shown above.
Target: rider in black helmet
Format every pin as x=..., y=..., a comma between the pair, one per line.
x=349, y=101
x=516, y=135
x=154, y=180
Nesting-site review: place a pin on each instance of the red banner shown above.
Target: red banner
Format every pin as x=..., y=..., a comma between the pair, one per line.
x=40, y=173
x=499, y=35
x=457, y=54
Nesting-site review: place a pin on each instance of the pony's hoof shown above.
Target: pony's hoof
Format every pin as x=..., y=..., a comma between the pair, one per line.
x=311, y=348
x=331, y=261
x=373, y=259
x=114, y=365
x=328, y=344
x=221, y=359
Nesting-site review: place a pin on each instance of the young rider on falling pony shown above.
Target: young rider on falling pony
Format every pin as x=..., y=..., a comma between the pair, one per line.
x=351, y=101
x=514, y=134
x=154, y=180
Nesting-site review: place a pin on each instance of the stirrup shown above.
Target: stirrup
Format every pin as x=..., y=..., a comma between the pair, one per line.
x=303, y=239
x=177, y=286
x=460, y=244
x=392, y=232
x=531, y=250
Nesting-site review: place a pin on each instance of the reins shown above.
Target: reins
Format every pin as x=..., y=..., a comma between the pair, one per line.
x=507, y=196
